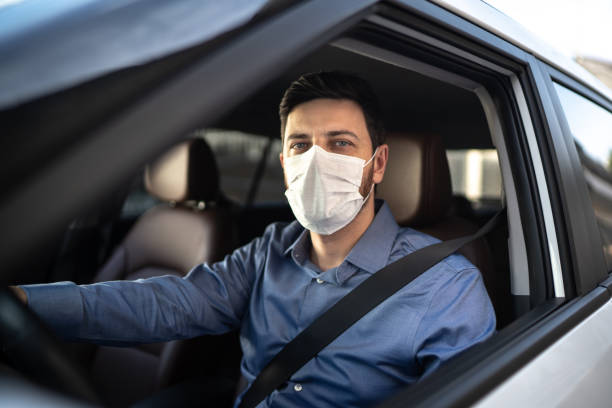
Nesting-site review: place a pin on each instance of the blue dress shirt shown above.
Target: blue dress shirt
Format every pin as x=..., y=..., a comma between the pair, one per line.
x=271, y=291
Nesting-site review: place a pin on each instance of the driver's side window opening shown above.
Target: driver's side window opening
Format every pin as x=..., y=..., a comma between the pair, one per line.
x=417, y=109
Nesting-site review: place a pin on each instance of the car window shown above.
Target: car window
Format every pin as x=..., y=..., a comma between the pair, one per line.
x=475, y=175
x=591, y=126
x=238, y=155
x=138, y=201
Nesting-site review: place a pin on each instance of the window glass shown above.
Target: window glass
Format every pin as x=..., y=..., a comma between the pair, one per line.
x=138, y=200
x=591, y=126
x=272, y=186
x=475, y=175
x=238, y=154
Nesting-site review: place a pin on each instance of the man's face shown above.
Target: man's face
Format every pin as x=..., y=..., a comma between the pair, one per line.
x=337, y=126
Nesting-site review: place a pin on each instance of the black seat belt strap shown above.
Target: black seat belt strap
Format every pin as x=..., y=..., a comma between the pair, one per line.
x=348, y=310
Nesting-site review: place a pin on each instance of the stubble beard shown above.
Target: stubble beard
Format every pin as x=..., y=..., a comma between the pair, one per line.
x=366, y=185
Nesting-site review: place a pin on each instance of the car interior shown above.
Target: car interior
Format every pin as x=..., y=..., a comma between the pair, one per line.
x=222, y=185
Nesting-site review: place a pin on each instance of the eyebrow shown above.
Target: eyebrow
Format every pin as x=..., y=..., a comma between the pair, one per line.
x=297, y=136
x=331, y=133
x=341, y=132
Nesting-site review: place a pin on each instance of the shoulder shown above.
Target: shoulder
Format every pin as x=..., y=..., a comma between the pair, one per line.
x=280, y=234
x=409, y=240
x=452, y=278
x=252, y=256
x=457, y=312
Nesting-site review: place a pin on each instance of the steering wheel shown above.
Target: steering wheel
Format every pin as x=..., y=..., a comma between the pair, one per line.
x=31, y=348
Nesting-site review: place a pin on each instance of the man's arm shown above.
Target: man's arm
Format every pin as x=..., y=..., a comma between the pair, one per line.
x=459, y=316
x=210, y=299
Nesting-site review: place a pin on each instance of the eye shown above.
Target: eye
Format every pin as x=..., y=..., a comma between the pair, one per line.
x=342, y=143
x=299, y=146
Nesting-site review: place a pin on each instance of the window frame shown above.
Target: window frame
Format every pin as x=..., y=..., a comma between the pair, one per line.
x=585, y=239
x=511, y=63
x=533, y=232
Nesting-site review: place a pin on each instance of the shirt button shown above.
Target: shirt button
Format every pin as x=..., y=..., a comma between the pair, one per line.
x=297, y=387
x=319, y=280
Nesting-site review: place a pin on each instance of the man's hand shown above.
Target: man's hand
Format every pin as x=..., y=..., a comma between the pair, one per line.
x=20, y=293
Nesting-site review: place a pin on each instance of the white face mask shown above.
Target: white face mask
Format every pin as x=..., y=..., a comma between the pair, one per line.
x=324, y=187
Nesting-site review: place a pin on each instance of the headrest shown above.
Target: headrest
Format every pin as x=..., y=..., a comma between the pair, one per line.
x=417, y=183
x=188, y=172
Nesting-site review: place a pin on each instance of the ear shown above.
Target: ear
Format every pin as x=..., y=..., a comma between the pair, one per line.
x=380, y=163
x=281, y=158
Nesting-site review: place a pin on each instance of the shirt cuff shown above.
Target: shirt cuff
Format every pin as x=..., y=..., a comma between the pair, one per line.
x=58, y=305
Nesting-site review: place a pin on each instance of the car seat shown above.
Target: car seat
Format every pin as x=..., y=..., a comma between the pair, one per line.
x=417, y=188
x=192, y=226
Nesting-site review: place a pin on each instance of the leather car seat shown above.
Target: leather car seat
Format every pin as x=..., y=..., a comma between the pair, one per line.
x=192, y=226
x=417, y=187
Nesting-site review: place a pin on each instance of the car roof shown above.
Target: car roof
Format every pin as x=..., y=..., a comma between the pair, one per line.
x=101, y=36
x=495, y=21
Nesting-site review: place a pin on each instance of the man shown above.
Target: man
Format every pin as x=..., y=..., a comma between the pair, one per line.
x=273, y=288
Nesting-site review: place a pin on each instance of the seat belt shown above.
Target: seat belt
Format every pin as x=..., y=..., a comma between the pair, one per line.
x=348, y=310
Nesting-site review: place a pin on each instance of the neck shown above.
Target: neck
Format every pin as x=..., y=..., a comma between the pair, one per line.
x=329, y=251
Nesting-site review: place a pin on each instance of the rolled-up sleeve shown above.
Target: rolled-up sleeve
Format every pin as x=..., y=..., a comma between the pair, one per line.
x=460, y=315
x=210, y=299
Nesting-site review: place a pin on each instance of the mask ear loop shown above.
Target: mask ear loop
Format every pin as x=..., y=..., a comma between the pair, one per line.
x=368, y=162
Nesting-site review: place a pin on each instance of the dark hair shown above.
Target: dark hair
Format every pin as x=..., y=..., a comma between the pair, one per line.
x=335, y=85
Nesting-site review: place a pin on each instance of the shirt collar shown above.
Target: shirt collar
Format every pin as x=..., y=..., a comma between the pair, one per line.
x=370, y=253
x=372, y=250
x=300, y=248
